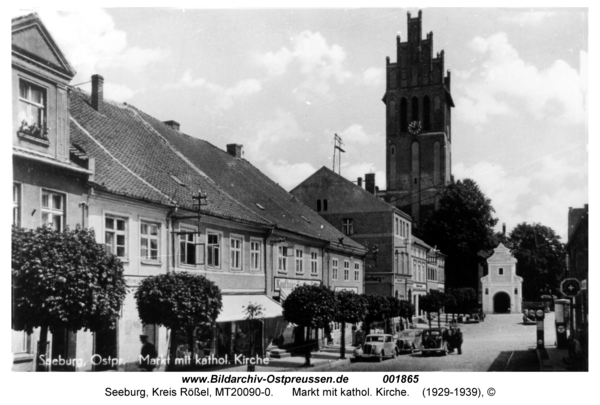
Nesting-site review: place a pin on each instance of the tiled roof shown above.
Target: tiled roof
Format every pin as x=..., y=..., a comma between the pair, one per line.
x=139, y=156
x=133, y=160
x=248, y=185
x=362, y=200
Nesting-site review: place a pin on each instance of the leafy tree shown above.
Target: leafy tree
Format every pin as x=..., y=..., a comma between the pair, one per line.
x=460, y=300
x=63, y=280
x=540, y=259
x=433, y=301
x=351, y=308
x=407, y=310
x=310, y=306
x=179, y=301
x=377, y=312
x=460, y=228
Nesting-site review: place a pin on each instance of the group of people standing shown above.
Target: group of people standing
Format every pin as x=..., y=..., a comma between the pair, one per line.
x=455, y=339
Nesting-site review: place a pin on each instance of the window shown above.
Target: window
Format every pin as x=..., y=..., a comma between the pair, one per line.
x=314, y=270
x=16, y=204
x=149, y=241
x=487, y=291
x=187, y=248
x=299, y=261
x=334, y=269
x=356, y=271
x=115, y=235
x=214, y=249
x=324, y=205
x=347, y=226
x=32, y=110
x=346, y=270
x=21, y=342
x=318, y=205
x=516, y=291
x=500, y=271
x=397, y=226
x=53, y=209
x=396, y=262
x=254, y=255
x=282, y=259
x=236, y=253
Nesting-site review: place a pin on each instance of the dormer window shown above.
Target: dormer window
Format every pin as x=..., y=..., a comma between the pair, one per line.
x=32, y=110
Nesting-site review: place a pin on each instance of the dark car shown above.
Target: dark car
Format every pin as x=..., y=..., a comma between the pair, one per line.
x=434, y=340
x=409, y=340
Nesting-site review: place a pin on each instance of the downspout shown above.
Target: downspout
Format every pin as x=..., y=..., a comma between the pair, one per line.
x=267, y=236
x=171, y=227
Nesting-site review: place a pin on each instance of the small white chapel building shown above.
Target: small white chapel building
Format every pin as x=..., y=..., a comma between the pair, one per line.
x=501, y=288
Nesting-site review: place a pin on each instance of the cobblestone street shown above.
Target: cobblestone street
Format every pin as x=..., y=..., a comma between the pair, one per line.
x=501, y=343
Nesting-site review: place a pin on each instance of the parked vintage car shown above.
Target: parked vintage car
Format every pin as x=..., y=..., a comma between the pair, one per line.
x=434, y=340
x=474, y=318
x=379, y=346
x=409, y=340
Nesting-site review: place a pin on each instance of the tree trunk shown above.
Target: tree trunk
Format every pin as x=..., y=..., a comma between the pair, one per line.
x=343, y=342
x=439, y=320
x=41, y=350
x=251, y=366
x=172, y=351
x=191, y=344
x=307, y=348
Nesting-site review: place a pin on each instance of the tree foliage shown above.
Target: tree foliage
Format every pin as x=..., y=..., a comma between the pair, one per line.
x=460, y=228
x=311, y=306
x=64, y=280
x=178, y=300
x=540, y=259
x=433, y=301
x=351, y=307
x=461, y=300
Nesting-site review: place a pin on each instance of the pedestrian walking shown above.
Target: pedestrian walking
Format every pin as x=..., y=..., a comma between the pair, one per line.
x=148, y=354
x=450, y=339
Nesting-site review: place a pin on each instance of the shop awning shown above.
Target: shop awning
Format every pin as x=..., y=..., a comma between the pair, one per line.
x=234, y=307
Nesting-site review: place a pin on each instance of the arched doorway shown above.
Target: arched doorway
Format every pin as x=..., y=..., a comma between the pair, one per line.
x=501, y=303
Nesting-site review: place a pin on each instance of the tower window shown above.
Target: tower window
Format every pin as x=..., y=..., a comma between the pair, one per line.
x=318, y=205
x=415, y=109
x=403, y=115
x=393, y=150
x=426, y=114
x=324, y=205
x=500, y=271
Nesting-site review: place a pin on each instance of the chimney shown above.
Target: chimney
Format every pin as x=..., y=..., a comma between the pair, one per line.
x=359, y=182
x=370, y=182
x=97, y=92
x=235, y=150
x=172, y=124
x=503, y=229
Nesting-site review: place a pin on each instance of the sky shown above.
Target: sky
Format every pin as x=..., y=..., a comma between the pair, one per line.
x=282, y=82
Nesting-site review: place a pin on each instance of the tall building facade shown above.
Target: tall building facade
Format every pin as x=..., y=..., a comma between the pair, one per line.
x=419, y=126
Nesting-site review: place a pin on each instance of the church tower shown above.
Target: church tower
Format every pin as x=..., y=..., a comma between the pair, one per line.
x=419, y=126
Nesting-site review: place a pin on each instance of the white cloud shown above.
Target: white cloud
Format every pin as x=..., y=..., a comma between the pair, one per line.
x=118, y=92
x=92, y=43
x=373, y=76
x=503, y=80
x=268, y=134
x=316, y=60
x=225, y=97
x=288, y=175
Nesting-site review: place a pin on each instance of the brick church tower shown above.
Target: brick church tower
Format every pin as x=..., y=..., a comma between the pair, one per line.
x=419, y=127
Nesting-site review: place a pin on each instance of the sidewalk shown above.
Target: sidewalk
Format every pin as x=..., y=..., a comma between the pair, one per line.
x=326, y=358
x=551, y=358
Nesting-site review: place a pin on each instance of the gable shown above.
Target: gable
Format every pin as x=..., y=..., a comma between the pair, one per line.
x=31, y=39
